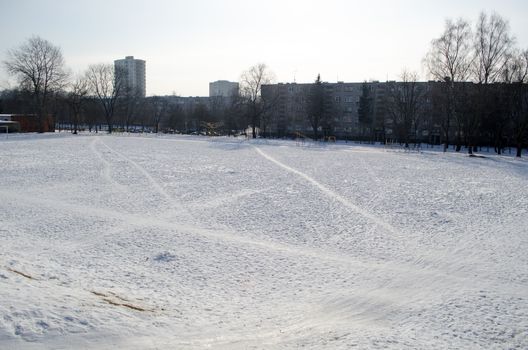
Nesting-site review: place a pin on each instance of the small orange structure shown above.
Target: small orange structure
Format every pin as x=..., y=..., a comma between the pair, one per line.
x=30, y=122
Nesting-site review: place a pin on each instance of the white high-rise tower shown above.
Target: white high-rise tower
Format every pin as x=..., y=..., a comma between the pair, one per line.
x=133, y=71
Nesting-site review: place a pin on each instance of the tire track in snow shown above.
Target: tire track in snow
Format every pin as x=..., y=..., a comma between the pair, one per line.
x=143, y=172
x=215, y=234
x=152, y=181
x=372, y=176
x=220, y=200
x=107, y=168
x=327, y=191
x=429, y=277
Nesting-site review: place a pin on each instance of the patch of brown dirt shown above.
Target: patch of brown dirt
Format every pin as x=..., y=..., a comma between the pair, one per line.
x=21, y=273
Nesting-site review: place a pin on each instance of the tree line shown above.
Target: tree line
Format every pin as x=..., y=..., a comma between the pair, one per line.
x=100, y=97
x=495, y=105
x=477, y=96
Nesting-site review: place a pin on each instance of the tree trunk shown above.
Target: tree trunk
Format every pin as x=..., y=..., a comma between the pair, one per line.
x=315, y=133
x=75, y=125
x=109, y=123
x=40, y=111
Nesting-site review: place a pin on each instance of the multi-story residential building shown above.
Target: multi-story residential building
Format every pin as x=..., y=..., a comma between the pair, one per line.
x=223, y=88
x=132, y=71
x=290, y=113
x=291, y=107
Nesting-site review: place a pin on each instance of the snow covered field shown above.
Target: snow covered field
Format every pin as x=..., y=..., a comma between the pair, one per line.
x=191, y=243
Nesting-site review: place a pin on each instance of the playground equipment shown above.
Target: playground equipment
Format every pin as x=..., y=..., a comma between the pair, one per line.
x=300, y=138
x=211, y=128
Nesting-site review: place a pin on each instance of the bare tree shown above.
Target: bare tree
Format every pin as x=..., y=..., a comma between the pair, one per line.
x=493, y=44
x=319, y=106
x=516, y=69
x=449, y=60
x=270, y=123
x=405, y=103
x=107, y=86
x=175, y=116
x=199, y=117
x=450, y=55
x=516, y=76
x=77, y=99
x=39, y=67
x=131, y=103
x=251, y=82
x=366, y=112
x=159, y=108
x=233, y=116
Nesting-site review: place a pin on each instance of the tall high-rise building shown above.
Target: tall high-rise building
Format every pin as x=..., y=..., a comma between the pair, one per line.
x=133, y=71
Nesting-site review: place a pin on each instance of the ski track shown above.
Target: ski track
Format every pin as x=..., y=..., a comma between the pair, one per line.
x=327, y=191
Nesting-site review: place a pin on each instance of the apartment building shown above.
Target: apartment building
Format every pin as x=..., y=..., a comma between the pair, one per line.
x=223, y=88
x=133, y=73
x=289, y=114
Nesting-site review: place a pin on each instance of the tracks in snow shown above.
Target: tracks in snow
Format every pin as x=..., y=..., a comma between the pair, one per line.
x=328, y=192
x=140, y=169
x=107, y=174
x=107, y=168
x=225, y=236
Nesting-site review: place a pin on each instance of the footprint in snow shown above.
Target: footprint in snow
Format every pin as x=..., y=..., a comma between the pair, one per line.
x=164, y=257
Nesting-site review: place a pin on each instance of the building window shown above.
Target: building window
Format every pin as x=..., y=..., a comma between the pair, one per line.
x=337, y=99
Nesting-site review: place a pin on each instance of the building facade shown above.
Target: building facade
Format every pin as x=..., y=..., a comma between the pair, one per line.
x=133, y=73
x=223, y=88
x=290, y=113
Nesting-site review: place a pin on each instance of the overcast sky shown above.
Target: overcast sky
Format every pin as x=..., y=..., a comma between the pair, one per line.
x=187, y=44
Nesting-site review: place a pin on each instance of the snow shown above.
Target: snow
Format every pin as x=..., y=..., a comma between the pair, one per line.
x=146, y=242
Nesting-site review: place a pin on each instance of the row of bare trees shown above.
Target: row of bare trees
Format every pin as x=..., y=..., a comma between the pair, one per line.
x=101, y=93
x=486, y=56
x=479, y=94
x=41, y=72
